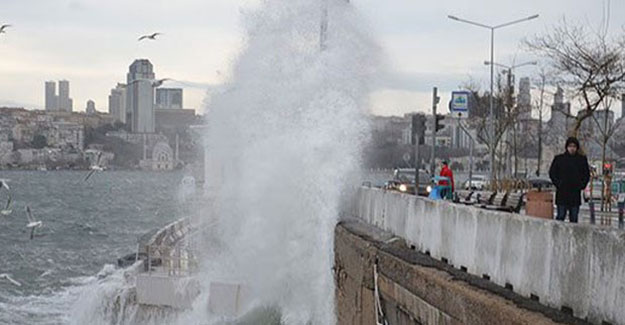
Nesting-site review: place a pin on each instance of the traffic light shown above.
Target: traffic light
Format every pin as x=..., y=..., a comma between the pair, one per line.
x=607, y=169
x=418, y=128
x=437, y=122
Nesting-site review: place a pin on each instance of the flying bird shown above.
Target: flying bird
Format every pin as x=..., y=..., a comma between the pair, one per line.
x=3, y=27
x=155, y=83
x=97, y=167
x=10, y=279
x=32, y=223
x=150, y=36
x=4, y=184
x=7, y=209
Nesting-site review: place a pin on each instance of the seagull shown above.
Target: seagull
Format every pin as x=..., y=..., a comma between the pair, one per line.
x=10, y=279
x=155, y=83
x=3, y=27
x=32, y=223
x=5, y=183
x=7, y=209
x=150, y=37
x=95, y=167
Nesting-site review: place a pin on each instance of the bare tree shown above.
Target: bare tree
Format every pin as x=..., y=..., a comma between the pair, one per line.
x=506, y=115
x=602, y=135
x=589, y=63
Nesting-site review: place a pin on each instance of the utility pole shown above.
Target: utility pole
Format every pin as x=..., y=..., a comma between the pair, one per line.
x=435, y=100
x=323, y=30
x=470, y=152
x=540, y=126
x=418, y=131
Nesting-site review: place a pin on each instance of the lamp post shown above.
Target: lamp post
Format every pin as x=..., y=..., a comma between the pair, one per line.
x=492, y=59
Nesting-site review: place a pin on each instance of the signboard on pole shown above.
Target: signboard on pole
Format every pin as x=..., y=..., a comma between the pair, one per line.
x=459, y=104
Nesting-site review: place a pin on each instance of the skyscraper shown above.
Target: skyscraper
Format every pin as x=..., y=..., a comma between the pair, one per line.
x=117, y=102
x=525, y=99
x=90, y=109
x=64, y=102
x=169, y=98
x=560, y=113
x=51, y=98
x=140, y=96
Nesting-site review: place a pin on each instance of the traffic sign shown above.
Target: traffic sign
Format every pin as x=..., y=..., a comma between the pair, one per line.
x=459, y=104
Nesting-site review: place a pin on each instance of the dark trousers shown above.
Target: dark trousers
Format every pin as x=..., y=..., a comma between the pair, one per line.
x=572, y=210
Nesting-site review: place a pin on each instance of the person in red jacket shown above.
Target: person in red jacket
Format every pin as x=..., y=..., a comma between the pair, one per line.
x=446, y=172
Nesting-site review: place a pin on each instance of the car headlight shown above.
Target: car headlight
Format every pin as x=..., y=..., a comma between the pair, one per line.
x=429, y=189
x=403, y=188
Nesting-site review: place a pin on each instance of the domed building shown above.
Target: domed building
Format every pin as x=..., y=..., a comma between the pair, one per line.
x=163, y=157
x=160, y=158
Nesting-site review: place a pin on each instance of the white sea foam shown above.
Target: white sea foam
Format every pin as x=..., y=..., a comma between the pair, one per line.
x=282, y=142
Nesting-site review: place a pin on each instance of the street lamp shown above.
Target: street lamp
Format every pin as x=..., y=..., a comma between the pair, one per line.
x=513, y=66
x=492, y=59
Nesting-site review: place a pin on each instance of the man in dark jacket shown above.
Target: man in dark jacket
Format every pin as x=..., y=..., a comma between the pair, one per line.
x=570, y=174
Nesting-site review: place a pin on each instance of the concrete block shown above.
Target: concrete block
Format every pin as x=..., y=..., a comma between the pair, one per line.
x=227, y=299
x=169, y=291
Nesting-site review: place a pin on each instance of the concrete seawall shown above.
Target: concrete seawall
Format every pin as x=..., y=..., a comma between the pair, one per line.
x=575, y=268
x=417, y=289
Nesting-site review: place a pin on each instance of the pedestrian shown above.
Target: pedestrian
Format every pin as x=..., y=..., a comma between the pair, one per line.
x=446, y=172
x=570, y=173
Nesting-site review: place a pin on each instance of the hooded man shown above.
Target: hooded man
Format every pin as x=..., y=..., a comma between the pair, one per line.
x=570, y=173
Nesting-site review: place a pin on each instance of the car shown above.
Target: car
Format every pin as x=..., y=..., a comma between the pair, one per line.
x=478, y=182
x=404, y=181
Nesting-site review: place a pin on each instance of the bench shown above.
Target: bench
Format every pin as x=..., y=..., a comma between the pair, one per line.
x=514, y=202
x=497, y=202
x=464, y=197
x=485, y=197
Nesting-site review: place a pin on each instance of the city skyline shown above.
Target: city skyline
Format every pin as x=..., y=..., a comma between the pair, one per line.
x=200, y=39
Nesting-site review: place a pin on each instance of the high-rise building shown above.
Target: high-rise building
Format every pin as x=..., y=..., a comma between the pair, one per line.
x=90, y=109
x=64, y=102
x=52, y=100
x=140, y=96
x=560, y=111
x=169, y=98
x=524, y=101
x=117, y=102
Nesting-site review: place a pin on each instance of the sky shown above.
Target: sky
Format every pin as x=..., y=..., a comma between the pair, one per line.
x=91, y=43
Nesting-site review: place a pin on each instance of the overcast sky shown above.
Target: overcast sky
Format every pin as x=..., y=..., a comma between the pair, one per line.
x=91, y=43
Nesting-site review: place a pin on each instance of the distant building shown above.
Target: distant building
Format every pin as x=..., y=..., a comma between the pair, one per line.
x=169, y=98
x=140, y=96
x=90, y=109
x=524, y=101
x=171, y=121
x=560, y=120
x=66, y=135
x=161, y=158
x=52, y=100
x=117, y=102
x=65, y=103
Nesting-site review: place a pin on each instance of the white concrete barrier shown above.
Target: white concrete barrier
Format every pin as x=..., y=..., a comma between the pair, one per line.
x=168, y=291
x=577, y=266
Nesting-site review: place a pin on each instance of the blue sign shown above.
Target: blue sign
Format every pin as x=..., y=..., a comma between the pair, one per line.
x=459, y=104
